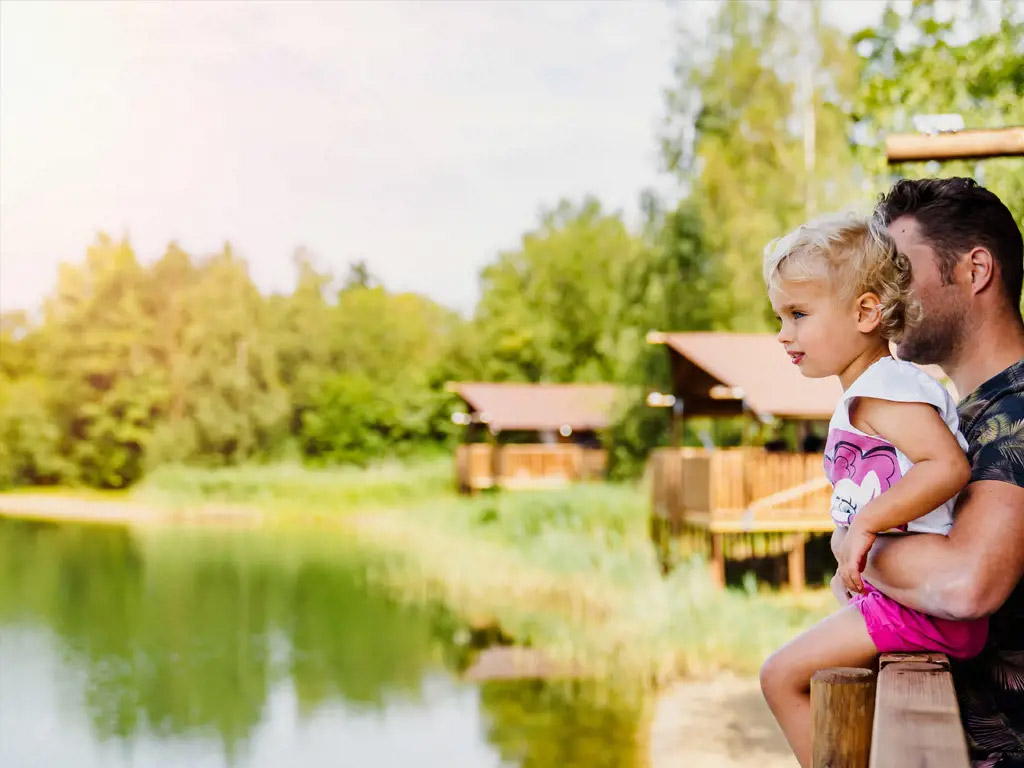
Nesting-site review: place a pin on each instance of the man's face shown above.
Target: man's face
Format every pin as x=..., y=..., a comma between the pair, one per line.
x=936, y=336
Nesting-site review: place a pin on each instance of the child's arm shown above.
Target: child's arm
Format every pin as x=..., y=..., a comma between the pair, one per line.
x=940, y=471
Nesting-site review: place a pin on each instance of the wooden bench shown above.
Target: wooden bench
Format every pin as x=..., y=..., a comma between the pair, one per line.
x=907, y=717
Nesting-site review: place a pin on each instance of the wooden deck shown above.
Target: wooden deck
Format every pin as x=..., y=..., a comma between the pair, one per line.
x=746, y=502
x=741, y=490
x=530, y=466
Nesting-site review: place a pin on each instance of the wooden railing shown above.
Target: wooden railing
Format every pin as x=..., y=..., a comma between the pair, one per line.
x=741, y=490
x=909, y=718
x=482, y=465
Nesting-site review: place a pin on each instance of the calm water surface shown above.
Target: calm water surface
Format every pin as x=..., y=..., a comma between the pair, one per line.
x=256, y=649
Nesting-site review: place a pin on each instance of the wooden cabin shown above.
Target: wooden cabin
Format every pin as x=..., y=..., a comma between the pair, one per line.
x=531, y=435
x=728, y=494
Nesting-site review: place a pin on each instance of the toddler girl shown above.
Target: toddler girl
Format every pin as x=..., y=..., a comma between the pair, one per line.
x=894, y=454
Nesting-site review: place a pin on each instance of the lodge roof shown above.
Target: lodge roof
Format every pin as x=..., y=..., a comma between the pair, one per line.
x=750, y=369
x=525, y=406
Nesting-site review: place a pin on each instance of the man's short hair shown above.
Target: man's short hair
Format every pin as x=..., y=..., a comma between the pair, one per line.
x=956, y=215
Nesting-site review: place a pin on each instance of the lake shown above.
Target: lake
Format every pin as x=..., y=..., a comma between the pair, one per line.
x=185, y=647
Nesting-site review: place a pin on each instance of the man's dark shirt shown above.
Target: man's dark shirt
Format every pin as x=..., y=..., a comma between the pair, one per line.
x=990, y=688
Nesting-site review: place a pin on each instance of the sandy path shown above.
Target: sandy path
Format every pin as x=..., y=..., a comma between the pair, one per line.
x=720, y=723
x=47, y=507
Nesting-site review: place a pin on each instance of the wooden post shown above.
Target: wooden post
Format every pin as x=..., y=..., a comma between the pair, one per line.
x=795, y=562
x=959, y=145
x=842, y=709
x=716, y=562
x=917, y=721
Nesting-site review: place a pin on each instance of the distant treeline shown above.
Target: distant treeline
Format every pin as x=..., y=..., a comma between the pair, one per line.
x=132, y=363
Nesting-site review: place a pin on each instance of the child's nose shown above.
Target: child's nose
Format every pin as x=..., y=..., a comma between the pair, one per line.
x=783, y=336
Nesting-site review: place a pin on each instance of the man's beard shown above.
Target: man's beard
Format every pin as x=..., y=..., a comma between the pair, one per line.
x=935, y=338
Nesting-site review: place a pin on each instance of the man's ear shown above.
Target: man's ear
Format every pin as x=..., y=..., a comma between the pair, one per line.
x=982, y=268
x=869, y=312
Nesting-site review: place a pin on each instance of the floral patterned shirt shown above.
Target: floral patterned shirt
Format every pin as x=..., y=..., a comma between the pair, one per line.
x=990, y=687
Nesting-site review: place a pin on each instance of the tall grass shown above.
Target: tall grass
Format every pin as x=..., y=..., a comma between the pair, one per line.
x=293, y=487
x=574, y=572
x=570, y=571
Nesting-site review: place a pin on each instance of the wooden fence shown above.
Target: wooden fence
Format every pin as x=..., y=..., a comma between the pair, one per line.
x=909, y=718
x=482, y=465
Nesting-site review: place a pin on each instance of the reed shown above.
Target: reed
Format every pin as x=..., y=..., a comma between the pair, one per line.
x=571, y=572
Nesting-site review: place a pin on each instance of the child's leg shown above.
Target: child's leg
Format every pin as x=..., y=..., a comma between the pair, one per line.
x=841, y=640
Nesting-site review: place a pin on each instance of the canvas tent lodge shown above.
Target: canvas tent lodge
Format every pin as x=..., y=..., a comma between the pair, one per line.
x=522, y=435
x=749, y=500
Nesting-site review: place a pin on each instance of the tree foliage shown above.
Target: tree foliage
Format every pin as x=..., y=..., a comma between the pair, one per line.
x=743, y=103
x=772, y=116
x=921, y=64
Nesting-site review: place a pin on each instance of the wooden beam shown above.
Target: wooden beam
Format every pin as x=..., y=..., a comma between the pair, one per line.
x=917, y=721
x=716, y=562
x=842, y=709
x=995, y=142
x=796, y=567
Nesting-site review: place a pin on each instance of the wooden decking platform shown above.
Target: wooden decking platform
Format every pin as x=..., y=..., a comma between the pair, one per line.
x=731, y=493
x=479, y=466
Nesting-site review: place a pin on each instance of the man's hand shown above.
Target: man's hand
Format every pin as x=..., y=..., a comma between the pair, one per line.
x=839, y=589
x=853, y=556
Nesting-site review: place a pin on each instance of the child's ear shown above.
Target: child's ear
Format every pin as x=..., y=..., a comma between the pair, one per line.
x=869, y=312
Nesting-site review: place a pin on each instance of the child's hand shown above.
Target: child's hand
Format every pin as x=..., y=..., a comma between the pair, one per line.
x=853, y=556
x=839, y=589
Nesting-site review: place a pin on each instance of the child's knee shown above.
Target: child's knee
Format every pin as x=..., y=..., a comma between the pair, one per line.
x=777, y=676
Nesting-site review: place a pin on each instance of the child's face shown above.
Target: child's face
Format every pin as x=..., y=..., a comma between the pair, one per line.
x=818, y=330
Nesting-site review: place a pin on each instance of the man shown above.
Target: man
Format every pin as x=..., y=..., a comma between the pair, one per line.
x=966, y=253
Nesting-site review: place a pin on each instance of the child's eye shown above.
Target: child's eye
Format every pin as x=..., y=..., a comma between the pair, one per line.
x=797, y=315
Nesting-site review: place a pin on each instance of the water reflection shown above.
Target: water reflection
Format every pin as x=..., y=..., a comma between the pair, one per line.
x=212, y=648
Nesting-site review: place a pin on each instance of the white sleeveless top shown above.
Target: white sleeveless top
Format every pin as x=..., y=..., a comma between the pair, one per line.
x=860, y=466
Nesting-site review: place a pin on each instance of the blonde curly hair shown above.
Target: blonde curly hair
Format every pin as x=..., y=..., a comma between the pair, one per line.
x=855, y=255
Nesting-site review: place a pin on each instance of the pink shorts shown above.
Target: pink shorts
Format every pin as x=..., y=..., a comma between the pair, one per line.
x=894, y=627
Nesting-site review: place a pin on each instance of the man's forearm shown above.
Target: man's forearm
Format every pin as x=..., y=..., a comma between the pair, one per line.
x=967, y=574
x=915, y=571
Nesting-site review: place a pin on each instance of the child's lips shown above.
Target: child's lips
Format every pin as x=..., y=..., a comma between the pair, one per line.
x=796, y=357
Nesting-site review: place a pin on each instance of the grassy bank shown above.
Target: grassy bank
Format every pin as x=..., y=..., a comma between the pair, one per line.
x=569, y=571
x=573, y=572
x=293, y=488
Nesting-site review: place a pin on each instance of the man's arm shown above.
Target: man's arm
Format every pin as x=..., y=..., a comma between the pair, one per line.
x=967, y=574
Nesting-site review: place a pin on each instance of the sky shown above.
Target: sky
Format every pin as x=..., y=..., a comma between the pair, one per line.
x=423, y=138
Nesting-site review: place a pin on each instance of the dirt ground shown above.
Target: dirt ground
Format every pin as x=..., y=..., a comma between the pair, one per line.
x=719, y=723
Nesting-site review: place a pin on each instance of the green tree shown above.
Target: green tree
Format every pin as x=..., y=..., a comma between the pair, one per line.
x=29, y=437
x=666, y=292
x=305, y=350
x=381, y=392
x=226, y=402
x=95, y=353
x=919, y=63
x=756, y=132
x=551, y=310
